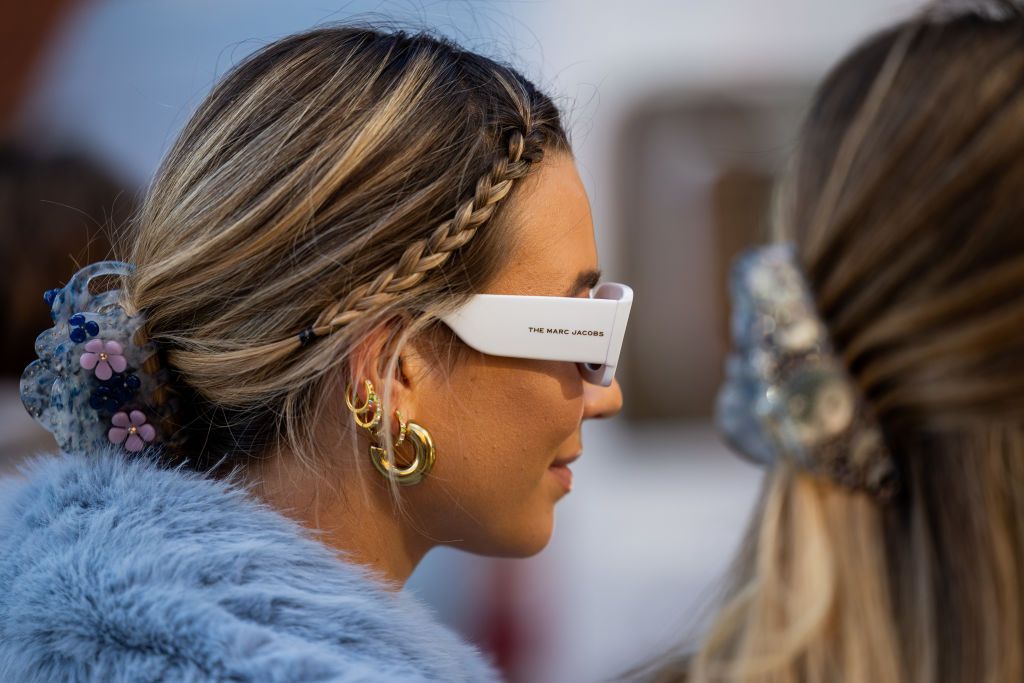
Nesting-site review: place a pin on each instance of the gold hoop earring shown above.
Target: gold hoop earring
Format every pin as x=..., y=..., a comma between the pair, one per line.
x=348, y=397
x=423, y=461
x=372, y=403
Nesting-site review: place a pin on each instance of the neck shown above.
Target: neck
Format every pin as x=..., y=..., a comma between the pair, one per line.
x=374, y=536
x=358, y=518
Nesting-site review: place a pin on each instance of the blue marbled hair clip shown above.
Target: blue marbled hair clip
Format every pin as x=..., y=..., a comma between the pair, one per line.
x=786, y=393
x=88, y=386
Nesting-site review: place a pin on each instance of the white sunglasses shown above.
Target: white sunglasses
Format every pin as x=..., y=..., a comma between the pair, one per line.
x=586, y=331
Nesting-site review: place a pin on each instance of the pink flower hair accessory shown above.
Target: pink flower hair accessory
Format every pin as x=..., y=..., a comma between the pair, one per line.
x=106, y=357
x=132, y=430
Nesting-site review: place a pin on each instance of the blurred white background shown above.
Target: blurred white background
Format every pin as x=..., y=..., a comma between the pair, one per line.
x=680, y=113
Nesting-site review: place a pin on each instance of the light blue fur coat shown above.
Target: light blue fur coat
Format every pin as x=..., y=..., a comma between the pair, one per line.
x=113, y=569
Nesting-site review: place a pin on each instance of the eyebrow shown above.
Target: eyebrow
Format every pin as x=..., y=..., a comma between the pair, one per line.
x=587, y=279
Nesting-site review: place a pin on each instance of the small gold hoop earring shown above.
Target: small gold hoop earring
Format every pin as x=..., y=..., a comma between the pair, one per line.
x=372, y=403
x=423, y=461
x=369, y=397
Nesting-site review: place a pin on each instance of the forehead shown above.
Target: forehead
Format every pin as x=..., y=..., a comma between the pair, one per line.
x=553, y=232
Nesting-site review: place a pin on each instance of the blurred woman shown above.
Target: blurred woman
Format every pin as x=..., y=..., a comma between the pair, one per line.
x=879, y=373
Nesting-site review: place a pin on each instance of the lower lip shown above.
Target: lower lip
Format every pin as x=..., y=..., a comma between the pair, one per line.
x=563, y=474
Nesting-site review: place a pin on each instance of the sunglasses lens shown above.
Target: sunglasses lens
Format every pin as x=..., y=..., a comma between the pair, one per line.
x=603, y=374
x=611, y=290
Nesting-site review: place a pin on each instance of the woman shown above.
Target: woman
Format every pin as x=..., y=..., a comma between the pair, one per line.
x=291, y=425
x=879, y=371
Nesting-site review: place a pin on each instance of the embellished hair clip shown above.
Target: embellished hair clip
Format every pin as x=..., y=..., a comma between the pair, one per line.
x=786, y=393
x=89, y=386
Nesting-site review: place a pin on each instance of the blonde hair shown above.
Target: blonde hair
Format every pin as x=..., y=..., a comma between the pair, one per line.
x=906, y=198
x=347, y=179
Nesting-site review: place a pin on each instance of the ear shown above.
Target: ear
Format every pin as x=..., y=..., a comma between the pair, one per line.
x=370, y=359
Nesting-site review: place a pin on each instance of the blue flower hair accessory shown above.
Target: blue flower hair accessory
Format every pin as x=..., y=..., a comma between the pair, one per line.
x=786, y=392
x=90, y=386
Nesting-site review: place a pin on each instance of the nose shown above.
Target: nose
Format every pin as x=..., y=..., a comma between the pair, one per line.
x=599, y=401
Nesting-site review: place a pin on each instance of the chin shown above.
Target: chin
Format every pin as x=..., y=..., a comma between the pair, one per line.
x=534, y=534
x=521, y=541
x=532, y=546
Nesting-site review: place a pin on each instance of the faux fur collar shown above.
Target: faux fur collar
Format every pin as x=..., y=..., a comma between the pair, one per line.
x=114, y=569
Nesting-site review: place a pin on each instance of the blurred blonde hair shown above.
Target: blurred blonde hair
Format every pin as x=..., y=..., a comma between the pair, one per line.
x=906, y=199
x=346, y=178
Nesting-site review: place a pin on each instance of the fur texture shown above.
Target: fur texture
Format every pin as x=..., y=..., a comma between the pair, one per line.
x=114, y=569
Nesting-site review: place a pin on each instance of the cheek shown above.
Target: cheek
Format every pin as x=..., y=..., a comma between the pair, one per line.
x=498, y=425
x=516, y=411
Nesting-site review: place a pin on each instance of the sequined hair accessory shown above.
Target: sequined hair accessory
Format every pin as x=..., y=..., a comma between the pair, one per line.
x=787, y=394
x=90, y=386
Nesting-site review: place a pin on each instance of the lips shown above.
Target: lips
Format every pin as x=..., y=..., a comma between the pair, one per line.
x=567, y=460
